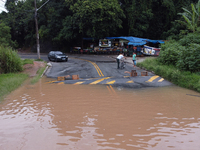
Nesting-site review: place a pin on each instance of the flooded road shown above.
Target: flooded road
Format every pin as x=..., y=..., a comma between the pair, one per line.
x=99, y=117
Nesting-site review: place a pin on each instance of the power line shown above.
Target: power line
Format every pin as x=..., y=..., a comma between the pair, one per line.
x=43, y=5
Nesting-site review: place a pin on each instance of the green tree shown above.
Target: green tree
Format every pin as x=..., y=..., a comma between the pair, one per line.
x=5, y=36
x=138, y=15
x=18, y=18
x=52, y=22
x=97, y=18
x=191, y=18
x=164, y=11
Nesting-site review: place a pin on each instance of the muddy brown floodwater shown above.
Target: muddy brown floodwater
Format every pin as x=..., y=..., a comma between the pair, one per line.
x=48, y=116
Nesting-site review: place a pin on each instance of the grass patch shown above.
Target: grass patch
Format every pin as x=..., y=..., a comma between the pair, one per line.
x=37, y=77
x=27, y=61
x=38, y=60
x=184, y=79
x=10, y=82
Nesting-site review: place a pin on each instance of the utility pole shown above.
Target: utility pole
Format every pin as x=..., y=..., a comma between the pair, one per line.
x=37, y=34
x=36, y=26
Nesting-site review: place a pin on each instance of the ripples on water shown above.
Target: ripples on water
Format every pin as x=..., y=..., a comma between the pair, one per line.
x=50, y=116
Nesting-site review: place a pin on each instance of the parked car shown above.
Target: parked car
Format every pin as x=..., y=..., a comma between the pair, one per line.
x=57, y=56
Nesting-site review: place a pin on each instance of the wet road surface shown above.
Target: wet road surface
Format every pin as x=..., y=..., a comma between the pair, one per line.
x=103, y=70
x=91, y=117
x=100, y=69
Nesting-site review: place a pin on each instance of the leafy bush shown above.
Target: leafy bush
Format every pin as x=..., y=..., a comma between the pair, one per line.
x=189, y=59
x=190, y=38
x=9, y=61
x=184, y=54
x=169, y=53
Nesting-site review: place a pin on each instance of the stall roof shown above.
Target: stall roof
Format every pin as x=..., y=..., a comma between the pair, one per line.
x=137, y=44
x=155, y=41
x=135, y=41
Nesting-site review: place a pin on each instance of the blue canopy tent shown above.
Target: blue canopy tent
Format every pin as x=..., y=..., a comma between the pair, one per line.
x=138, y=42
x=155, y=41
x=135, y=41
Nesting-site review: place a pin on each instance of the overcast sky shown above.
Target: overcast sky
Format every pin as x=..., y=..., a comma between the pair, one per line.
x=2, y=3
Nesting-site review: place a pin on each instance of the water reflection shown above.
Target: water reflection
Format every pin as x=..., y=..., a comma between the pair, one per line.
x=50, y=116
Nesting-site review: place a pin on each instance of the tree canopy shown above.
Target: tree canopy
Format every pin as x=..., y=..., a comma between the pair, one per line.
x=191, y=18
x=64, y=22
x=5, y=36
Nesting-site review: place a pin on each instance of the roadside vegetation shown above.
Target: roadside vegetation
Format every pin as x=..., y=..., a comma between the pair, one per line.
x=178, y=77
x=27, y=61
x=10, y=62
x=11, y=67
x=39, y=72
x=10, y=82
x=38, y=76
x=179, y=59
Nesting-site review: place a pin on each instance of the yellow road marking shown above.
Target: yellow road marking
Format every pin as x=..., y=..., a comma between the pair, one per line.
x=97, y=81
x=109, y=89
x=78, y=83
x=97, y=68
x=112, y=89
x=152, y=78
x=111, y=82
x=95, y=65
x=60, y=83
x=51, y=81
x=130, y=81
x=161, y=80
x=126, y=76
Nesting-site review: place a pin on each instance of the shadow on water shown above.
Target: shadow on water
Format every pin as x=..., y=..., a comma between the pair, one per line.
x=52, y=116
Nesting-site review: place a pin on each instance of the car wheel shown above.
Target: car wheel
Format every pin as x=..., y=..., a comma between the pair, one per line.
x=49, y=58
x=66, y=59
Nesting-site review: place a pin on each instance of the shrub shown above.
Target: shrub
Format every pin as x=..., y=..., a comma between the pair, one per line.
x=9, y=60
x=169, y=53
x=189, y=59
x=190, y=38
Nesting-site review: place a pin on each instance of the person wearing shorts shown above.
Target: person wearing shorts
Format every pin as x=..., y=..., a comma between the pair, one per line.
x=134, y=59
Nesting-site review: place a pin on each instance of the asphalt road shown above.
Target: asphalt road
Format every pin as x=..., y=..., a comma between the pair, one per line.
x=99, y=69
x=102, y=69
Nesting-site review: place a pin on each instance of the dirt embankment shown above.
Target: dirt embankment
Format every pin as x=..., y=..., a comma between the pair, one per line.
x=31, y=69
